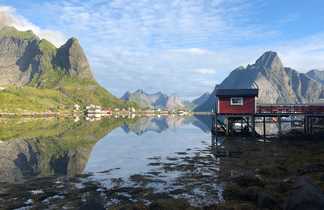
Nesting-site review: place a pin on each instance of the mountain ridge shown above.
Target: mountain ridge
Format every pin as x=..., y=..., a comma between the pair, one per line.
x=154, y=100
x=35, y=66
x=277, y=84
x=316, y=74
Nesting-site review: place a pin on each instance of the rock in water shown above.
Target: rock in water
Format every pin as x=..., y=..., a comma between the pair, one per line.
x=305, y=195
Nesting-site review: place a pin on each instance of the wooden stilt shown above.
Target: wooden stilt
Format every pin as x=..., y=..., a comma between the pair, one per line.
x=305, y=125
x=253, y=126
x=279, y=126
x=311, y=126
x=226, y=120
x=242, y=125
x=264, y=127
x=215, y=124
x=248, y=123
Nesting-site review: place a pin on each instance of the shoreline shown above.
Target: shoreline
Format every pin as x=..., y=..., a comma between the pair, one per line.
x=73, y=113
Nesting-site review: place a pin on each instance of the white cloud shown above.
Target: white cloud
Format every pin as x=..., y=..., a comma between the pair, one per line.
x=176, y=46
x=303, y=54
x=155, y=44
x=204, y=71
x=8, y=17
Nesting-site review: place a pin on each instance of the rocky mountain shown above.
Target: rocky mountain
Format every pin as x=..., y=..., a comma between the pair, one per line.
x=27, y=61
x=154, y=100
x=200, y=100
x=277, y=84
x=317, y=75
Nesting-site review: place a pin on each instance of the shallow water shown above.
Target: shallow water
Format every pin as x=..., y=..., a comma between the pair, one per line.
x=139, y=159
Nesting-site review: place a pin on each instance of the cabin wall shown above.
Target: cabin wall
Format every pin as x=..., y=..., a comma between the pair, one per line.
x=225, y=107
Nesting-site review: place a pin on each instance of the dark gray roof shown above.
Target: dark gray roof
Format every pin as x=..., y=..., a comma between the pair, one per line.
x=237, y=92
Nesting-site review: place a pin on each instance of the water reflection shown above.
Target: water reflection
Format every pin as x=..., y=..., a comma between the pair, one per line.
x=130, y=147
x=143, y=159
x=38, y=147
x=45, y=147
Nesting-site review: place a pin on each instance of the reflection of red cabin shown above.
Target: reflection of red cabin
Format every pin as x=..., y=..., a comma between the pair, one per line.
x=236, y=101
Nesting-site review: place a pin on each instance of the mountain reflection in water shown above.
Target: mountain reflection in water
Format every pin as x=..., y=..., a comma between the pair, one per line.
x=142, y=159
x=47, y=147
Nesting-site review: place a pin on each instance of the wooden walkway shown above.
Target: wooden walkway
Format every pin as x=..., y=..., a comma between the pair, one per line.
x=306, y=114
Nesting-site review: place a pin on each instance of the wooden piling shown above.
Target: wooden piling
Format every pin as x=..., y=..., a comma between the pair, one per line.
x=264, y=126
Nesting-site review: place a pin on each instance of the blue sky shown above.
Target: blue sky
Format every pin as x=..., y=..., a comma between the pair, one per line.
x=180, y=47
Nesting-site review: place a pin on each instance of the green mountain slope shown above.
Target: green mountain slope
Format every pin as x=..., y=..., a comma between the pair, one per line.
x=37, y=76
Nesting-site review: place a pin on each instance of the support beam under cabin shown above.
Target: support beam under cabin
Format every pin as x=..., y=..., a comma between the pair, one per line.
x=237, y=103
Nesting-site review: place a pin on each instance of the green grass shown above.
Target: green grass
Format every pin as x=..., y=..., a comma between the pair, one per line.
x=69, y=92
x=47, y=47
x=88, y=92
x=52, y=87
x=8, y=31
x=26, y=99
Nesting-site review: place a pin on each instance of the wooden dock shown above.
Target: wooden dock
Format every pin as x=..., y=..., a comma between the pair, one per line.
x=302, y=114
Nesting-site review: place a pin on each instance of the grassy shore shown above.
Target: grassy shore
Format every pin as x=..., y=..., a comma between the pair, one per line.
x=19, y=100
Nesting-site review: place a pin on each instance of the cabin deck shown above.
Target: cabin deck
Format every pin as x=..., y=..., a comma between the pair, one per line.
x=305, y=114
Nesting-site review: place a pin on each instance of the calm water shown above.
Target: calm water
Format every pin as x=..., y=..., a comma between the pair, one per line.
x=171, y=155
x=132, y=148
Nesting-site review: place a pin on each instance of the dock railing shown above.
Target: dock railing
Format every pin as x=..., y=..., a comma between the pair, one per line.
x=290, y=108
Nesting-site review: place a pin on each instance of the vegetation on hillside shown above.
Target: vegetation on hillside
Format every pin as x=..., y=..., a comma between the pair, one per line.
x=53, y=82
x=29, y=99
x=9, y=31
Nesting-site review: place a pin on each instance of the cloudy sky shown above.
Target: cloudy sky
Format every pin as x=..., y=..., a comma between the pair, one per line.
x=180, y=47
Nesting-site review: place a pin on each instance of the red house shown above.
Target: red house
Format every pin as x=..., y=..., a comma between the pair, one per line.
x=236, y=101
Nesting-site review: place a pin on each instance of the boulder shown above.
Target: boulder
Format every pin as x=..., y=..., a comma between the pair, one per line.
x=248, y=179
x=266, y=201
x=304, y=196
x=311, y=168
x=170, y=204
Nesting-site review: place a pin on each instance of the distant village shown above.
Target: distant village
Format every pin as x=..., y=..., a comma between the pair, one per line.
x=95, y=112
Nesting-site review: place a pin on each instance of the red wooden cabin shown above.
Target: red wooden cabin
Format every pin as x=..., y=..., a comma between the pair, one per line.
x=236, y=101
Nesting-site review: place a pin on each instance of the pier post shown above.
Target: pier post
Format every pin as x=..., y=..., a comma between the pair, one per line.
x=242, y=125
x=264, y=126
x=226, y=121
x=253, y=126
x=279, y=126
x=311, y=126
x=215, y=125
x=305, y=124
x=248, y=123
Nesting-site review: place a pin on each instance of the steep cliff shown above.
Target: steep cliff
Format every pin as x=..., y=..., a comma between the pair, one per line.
x=154, y=100
x=27, y=62
x=317, y=75
x=276, y=83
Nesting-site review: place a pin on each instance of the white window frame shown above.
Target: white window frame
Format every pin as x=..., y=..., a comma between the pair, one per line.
x=237, y=104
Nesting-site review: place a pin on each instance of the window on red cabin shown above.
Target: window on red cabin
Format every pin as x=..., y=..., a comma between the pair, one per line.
x=237, y=101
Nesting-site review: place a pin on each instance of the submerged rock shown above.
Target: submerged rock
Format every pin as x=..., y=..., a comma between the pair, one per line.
x=312, y=168
x=170, y=204
x=305, y=195
x=248, y=179
x=266, y=200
